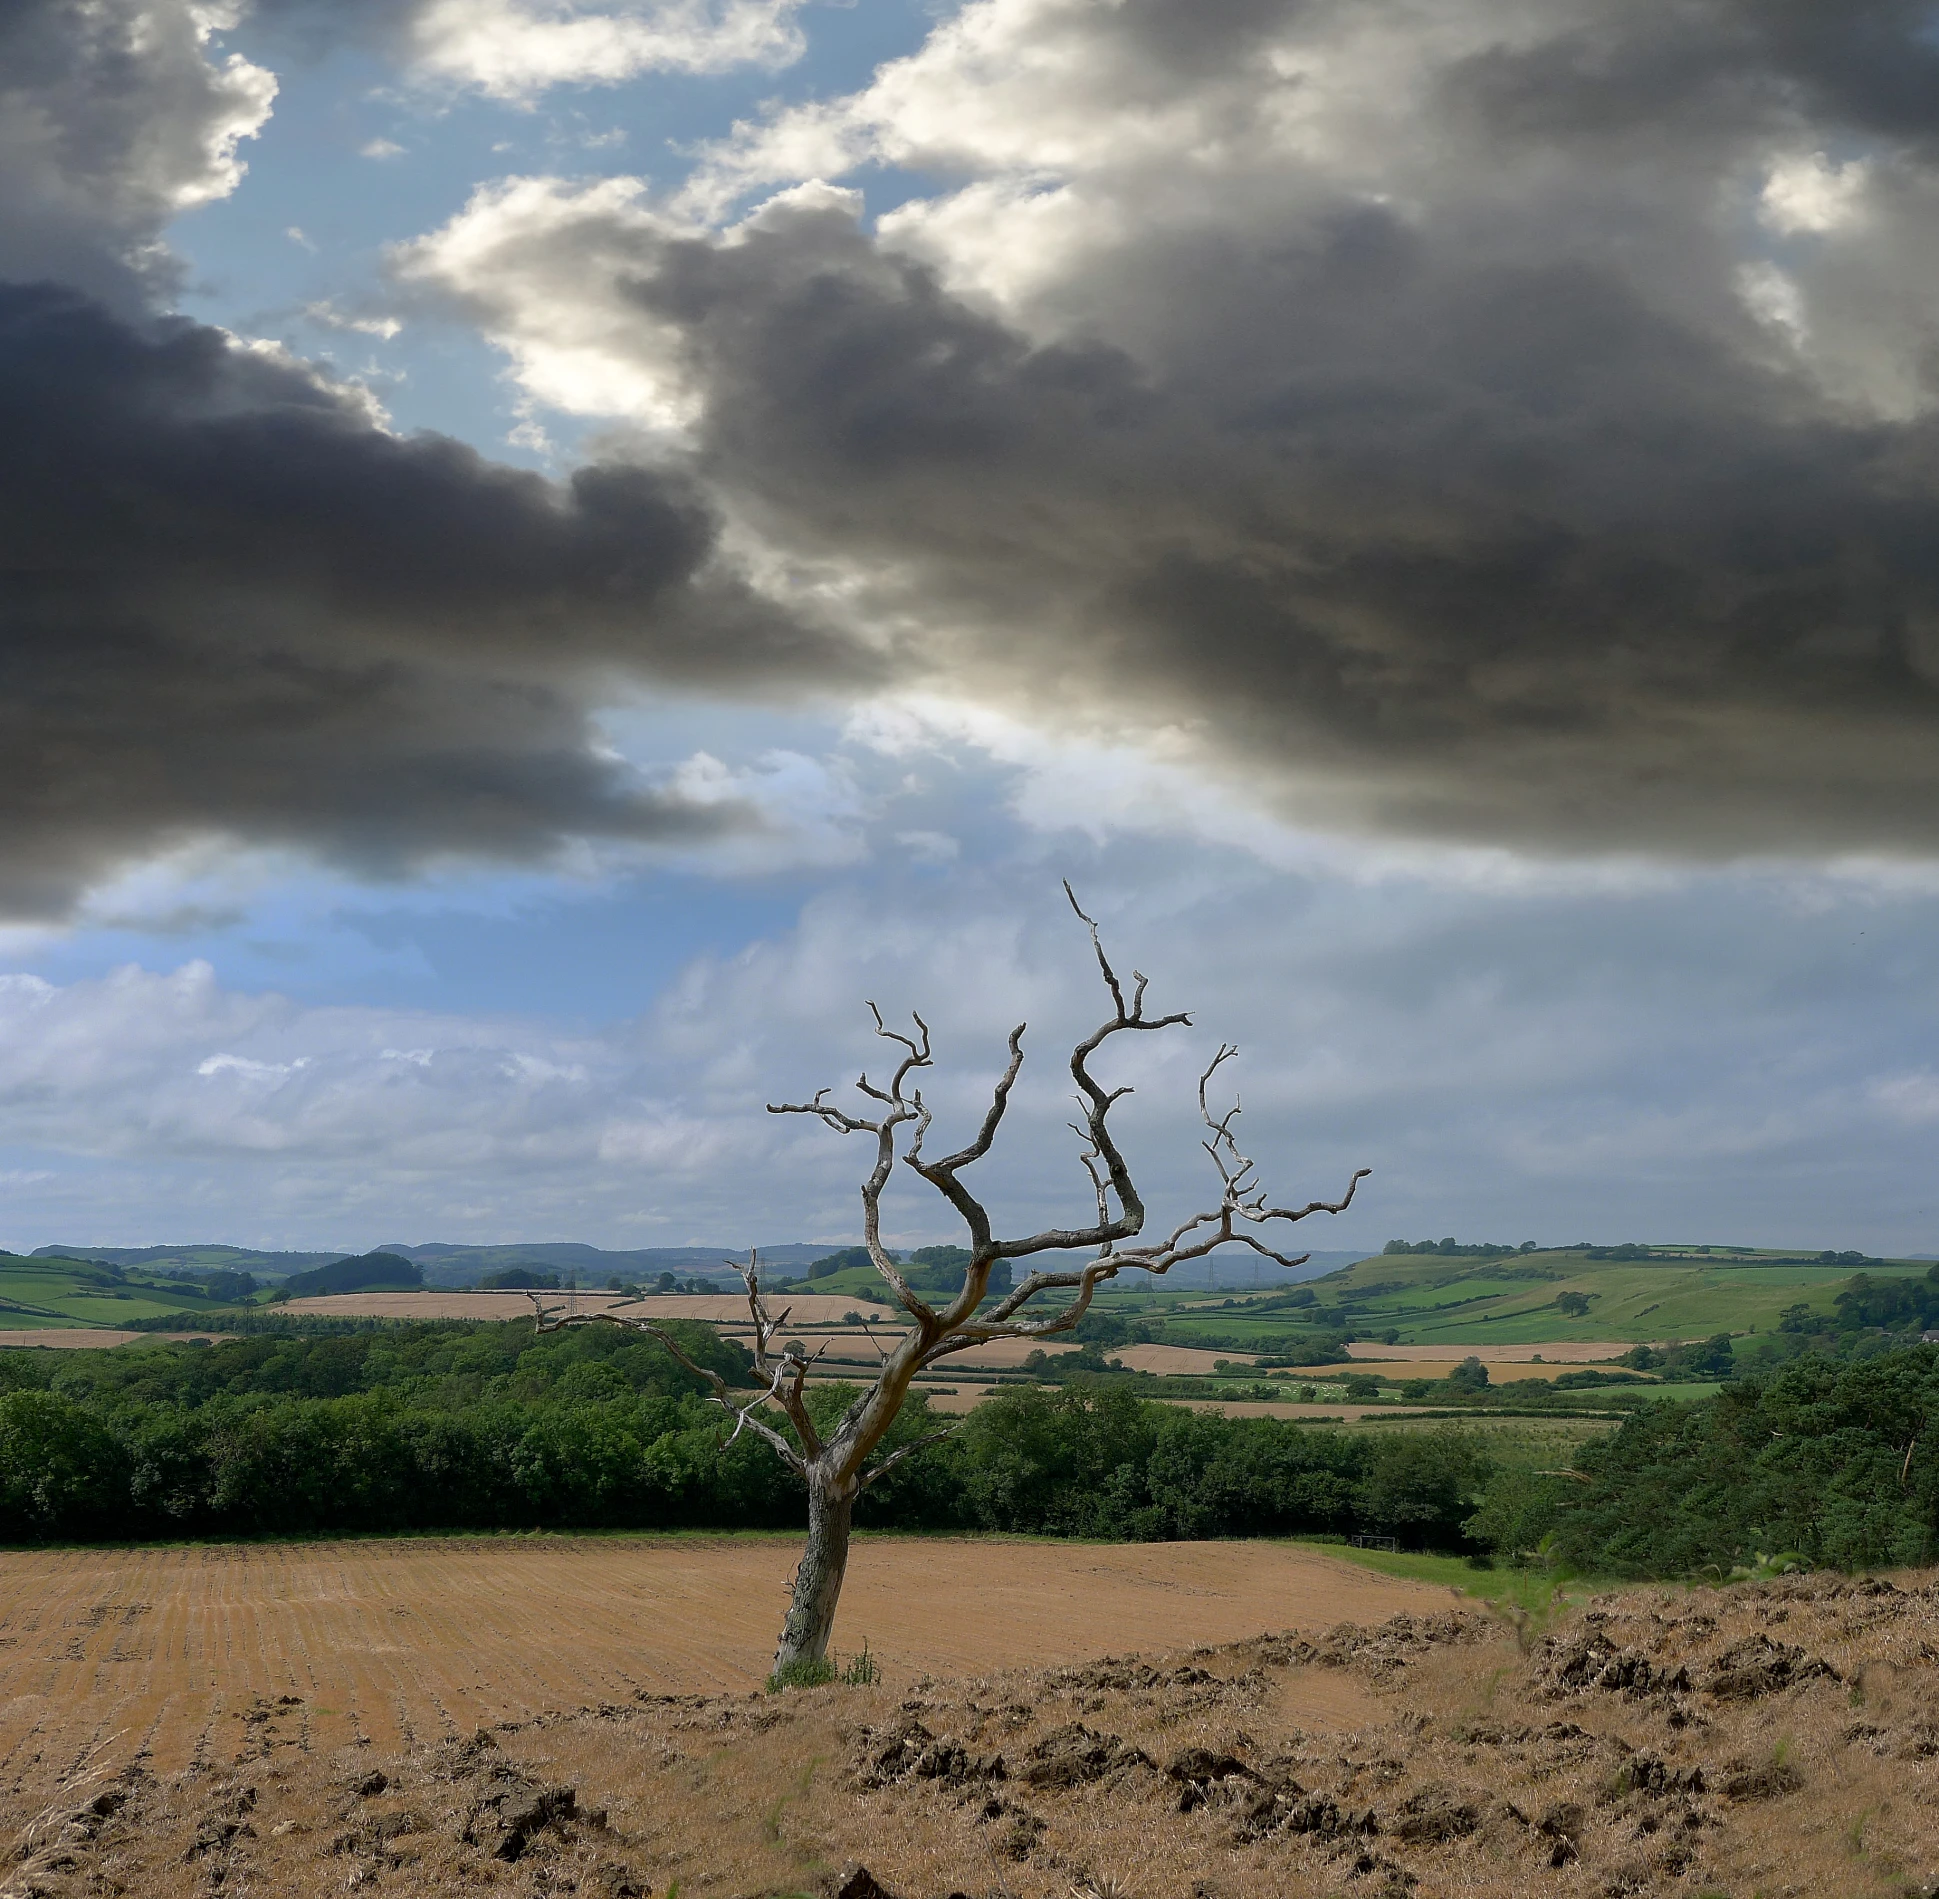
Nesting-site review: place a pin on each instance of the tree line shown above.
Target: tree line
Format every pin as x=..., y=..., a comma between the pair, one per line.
x=466, y=1426
x=456, y=1426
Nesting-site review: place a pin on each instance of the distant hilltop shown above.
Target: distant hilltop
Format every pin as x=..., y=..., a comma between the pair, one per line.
x=448, y=1266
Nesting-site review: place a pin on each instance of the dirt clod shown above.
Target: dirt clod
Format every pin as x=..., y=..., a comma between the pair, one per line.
x=859, y=1883
x=1074, y=1755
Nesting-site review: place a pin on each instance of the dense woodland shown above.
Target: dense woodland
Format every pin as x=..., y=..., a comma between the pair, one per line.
x=466, y=1426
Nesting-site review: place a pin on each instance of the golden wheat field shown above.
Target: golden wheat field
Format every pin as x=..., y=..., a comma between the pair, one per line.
x=163, y=1651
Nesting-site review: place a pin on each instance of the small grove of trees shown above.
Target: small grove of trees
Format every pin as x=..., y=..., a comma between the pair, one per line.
x=938, y=1269
x=1867, y=1303
x=1831, y=1461
x=839, y=1464
x=1454, y=1249
x=387, y=1272
x=1697, y=1361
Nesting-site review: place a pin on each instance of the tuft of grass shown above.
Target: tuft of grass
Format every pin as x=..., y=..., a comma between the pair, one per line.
x=805, y=1671
x=859, y=1671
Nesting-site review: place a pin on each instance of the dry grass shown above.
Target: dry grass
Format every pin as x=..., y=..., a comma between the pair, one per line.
x=1189, y=1361
x=1774, y=1740
x=956, y=1399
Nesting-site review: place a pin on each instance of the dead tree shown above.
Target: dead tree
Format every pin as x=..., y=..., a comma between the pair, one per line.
x=836, y=1465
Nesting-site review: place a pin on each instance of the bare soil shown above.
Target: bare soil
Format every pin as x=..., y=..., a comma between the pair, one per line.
x=1777, y=1739
x=394, y=1641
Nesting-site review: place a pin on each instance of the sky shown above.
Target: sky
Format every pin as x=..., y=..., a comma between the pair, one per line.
x=554, y=552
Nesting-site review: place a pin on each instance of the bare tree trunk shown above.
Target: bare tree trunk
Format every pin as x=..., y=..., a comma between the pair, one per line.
x=818, y=1582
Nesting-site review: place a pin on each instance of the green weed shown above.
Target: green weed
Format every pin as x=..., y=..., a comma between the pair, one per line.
x=805, y=1671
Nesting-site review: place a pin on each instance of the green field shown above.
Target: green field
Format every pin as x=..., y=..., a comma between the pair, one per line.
x=1458, y=1303
x=1426, y=1300
x=37, y=1294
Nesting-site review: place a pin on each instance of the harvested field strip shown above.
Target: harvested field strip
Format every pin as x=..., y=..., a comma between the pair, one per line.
x=403, y=1642
x=86, y=1338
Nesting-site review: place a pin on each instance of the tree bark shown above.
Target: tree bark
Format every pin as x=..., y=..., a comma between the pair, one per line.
x=818, y=1581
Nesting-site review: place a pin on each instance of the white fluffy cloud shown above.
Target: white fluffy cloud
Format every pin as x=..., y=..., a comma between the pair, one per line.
x=544, y=262
x=515, y=51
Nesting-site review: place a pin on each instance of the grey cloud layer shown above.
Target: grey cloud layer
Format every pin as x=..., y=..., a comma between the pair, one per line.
x=1495, y=421
x=112, y=116
x=231, y=604
x=1509, y=554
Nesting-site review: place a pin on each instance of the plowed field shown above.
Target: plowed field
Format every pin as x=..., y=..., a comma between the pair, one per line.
x=173, y=1651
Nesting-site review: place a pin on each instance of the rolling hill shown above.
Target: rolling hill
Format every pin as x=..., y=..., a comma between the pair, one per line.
x=1523, y=1299
x=43, y=1292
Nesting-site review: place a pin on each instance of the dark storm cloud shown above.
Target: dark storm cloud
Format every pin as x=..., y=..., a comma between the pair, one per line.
x=230, y=605
x=1438, y=470
x=1510, y=553
x=1455, y=481
x=1870, y=65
